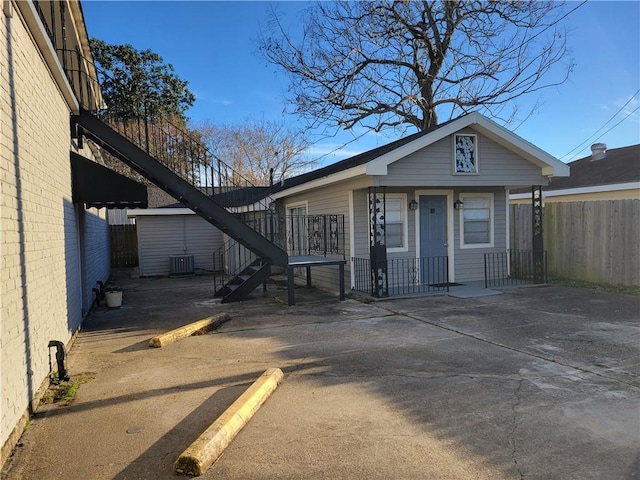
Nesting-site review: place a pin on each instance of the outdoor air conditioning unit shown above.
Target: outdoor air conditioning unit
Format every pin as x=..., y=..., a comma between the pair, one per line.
x=181, y=265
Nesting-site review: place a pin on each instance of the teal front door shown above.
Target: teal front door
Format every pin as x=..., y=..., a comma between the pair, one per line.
x=433, y=238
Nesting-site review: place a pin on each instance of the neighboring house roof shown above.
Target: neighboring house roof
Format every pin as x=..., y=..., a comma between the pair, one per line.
x=376, y=161
x=159, y=200
x=617, y=166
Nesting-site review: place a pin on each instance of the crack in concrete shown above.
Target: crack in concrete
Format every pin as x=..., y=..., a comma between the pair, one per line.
x=632, y=383
x=514, y=427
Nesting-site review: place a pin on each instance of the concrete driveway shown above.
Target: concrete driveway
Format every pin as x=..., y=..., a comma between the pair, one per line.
x=536, y=383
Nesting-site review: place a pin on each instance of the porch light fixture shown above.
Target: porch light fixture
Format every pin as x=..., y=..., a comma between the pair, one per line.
x=413, y=205
x=458, y=204
x=272, y=207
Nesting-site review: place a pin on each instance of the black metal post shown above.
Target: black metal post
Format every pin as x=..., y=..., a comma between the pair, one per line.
x=538, y=244
x=290, y=287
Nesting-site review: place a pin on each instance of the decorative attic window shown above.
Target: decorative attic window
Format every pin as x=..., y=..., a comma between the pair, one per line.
x=465, y=153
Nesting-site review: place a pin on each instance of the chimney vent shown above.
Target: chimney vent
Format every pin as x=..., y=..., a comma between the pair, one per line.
x=598, y=151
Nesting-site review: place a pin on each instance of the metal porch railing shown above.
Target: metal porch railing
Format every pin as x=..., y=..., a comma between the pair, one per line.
x=402, y=276
x=513, y=267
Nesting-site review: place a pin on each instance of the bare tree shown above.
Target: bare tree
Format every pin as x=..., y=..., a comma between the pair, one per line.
x=258, y=150
x=401, y=63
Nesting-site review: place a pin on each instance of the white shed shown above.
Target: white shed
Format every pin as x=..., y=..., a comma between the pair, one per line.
x=175, y=241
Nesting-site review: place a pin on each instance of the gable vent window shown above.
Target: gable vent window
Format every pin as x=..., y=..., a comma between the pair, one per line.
x=465, y=157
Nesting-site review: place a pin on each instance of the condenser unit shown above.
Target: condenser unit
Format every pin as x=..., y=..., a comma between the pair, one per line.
x=181, y=265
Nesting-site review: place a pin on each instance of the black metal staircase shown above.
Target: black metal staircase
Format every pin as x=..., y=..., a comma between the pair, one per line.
x=193, y=197
x=173, y=158
x=172, y=183
x=245, y=282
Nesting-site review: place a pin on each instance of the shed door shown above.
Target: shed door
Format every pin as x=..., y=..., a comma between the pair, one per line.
x=433, y=238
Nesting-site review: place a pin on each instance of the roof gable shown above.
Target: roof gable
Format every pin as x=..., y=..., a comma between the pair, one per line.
x=550, y=165
x=376, y=161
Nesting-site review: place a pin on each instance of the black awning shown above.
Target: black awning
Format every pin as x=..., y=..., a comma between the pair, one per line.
x=98, y=186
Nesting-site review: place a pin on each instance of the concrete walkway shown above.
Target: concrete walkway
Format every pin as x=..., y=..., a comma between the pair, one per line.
x=535, y=383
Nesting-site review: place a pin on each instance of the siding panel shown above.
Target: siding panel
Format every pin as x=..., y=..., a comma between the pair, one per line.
x=432, y=167
x=160, y=237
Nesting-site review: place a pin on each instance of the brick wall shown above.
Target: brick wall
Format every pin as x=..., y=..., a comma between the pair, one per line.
x=97, y=254
x=41, y=230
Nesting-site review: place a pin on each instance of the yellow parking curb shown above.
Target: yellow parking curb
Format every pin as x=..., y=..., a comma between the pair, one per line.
x=201, y=454
x=187, y=330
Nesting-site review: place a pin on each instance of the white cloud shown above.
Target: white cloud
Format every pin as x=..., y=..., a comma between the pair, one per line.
x=221, y=101
x=625, y=107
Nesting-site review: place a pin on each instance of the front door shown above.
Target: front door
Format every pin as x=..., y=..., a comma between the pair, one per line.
x=433, y=238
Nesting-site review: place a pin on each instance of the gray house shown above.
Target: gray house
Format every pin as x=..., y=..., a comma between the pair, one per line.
x=424, y=211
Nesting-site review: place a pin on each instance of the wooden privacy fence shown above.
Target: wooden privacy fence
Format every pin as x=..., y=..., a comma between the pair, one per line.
x=592, y=241
x=124, y=246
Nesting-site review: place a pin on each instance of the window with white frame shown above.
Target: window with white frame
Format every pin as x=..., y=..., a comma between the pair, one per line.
x=476, y=220
x=465, y=150
x=396, y=222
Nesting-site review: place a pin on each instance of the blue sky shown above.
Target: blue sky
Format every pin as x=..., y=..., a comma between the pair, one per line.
x=212, y=45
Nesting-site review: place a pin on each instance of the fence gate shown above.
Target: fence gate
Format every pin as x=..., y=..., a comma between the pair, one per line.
x=124, y=246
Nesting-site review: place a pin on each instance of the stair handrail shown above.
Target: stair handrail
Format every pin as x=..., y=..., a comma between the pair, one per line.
x=166, y=140
x=226, y=272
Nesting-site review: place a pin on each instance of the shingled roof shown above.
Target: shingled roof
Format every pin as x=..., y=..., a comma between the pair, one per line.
x=356, y=160
x=239, y=197
x=619, y=165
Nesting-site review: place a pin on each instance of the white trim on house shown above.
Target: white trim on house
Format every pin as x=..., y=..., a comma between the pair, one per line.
x=550, y=165
x=492, y=214
x=303, y=203
x=580, y=190
x=450, y=224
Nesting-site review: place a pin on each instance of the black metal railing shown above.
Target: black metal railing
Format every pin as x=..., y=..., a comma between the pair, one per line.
x=402, y=276
x=168, y=140
x=314, y=235
x=229, y=260
x=513, y=267
x=299, y=235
